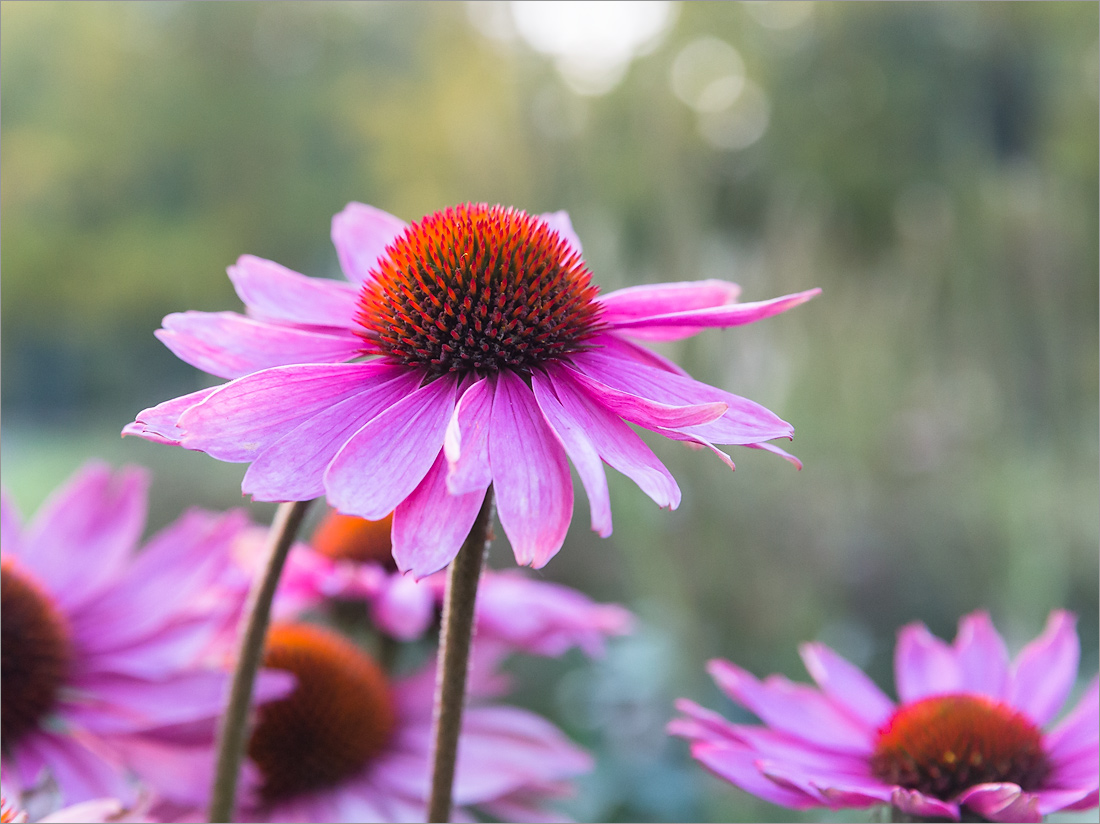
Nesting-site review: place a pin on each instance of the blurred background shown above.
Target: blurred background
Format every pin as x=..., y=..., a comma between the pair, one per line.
x=932, y=166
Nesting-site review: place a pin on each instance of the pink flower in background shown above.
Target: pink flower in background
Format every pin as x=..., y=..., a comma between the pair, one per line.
x=103, y=641
x=350, y=560
x=469, y=348
x=350, y=744
x=971, y=735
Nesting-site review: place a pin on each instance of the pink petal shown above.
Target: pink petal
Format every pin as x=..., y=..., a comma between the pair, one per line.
x=384, y=461
x=82, y=537
x=82, y=768
x=924, y=665
x=738, y=766
x=795, y=709
x=404, y=609
x=101, y=809
x=133, y=704
x=293, y=467
x=581, y=452
x=560, y=223
x=275, y=292
x=1000, y=802
x=430, y=525
x=1078, y=734
x=836, y=788
x=650, y=300
x=743, y=423
x=923, y=807
x=614, y=344
x=615, y=442
x=246, y=416
x=982, y=656
x=159, y=423
x=1044, y=671
x=230, y=345
x=676, y=325
x=503, y=749
x=530, y=474
x=847, y=685
x=645, y=412
x=466, y=442
x=361, y=234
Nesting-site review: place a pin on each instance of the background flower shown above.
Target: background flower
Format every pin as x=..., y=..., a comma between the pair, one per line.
x=104, y=640
x=967, y=737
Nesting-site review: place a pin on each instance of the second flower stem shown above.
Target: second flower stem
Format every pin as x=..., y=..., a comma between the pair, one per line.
x=233, y=731
x=455, y=637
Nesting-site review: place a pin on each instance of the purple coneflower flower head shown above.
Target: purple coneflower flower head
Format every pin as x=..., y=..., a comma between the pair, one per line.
x=351, y=744
x=468, y=348
x=103, y=641
x=970, y=737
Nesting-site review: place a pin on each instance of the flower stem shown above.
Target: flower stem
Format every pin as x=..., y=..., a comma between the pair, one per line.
x=232, y=733
x=454, y=658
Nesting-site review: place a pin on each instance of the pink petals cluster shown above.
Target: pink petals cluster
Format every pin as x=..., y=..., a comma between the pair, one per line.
x=375, y=436
x=817, y=746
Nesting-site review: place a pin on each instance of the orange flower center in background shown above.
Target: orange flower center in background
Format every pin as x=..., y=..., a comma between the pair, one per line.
x=339, y=717
x=35, y=654
x=944, y=744
x=478, y=288
x=347, y=538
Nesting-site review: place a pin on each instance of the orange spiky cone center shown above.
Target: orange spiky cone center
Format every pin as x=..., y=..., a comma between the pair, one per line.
x=340, y=715
x=943, y=744
x=348, y=538
x=35, y=653
x=478, y=289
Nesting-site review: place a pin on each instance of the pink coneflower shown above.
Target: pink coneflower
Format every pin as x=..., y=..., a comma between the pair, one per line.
x=349, y=560
x=469, y=348
x=350, y=744
x=102, y=641
x=971, y=735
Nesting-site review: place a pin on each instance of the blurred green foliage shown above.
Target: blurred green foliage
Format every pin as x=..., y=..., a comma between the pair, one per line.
x=932, y=166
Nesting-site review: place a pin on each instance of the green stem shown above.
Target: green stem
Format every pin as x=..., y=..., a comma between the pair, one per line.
x=232, y=733
x=454, y=658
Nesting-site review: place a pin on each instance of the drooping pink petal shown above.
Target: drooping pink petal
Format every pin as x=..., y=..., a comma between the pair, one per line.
x=144, y=703
x=836, y=788
x=530, y=474
x=159, y=423
x=383, y=462
x=1001, y=801
x=982, y=656
x=230, y=345
x=923, y=807
x=361, y=234
x=101, y=809
x=430, y=524
x=246, y=416
x=466, y=442
x=643, y=411
x=650, y=300
x=847, y=685
x=615, y=344
x=559, y=221
x=738, y=766
x=292, y=468
x=793, y=708
x=744, y=421
x=676, y=325
x=775, y=450
x=614, y=441
x=581, y=452
x=102, y=513
x=1078, y=734
x=1052, y=801
x=270, y=290
x=1044, y=671
x=923, y=665
x=82, y=767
